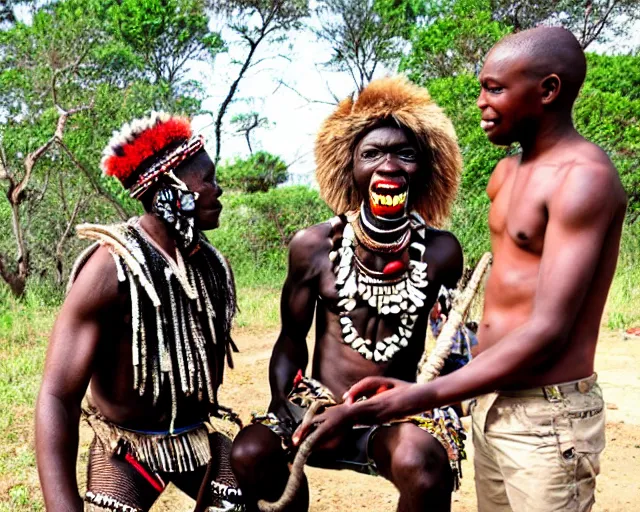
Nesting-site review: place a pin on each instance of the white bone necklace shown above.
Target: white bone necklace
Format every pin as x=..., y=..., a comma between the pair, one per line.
x=399, y=296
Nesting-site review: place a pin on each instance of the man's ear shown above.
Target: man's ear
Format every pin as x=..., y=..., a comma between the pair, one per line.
x=550, y=85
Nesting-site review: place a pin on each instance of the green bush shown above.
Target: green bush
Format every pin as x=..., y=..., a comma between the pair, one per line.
x=607, y=113
x=469, y=225
x=457, y=95
x=258, y=173
x=255, y=230
x=624, y=296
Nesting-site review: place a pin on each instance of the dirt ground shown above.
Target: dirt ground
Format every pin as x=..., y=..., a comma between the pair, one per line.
x=618, y=487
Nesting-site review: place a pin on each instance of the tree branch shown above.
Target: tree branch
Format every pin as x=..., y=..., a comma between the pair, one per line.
x=96, y=186
x=63, y=238
x=308, y=100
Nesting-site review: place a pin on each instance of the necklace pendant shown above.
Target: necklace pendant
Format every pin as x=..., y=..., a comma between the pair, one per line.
x=393, y=267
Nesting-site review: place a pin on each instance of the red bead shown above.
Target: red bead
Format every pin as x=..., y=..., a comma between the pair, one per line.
x=393, y=267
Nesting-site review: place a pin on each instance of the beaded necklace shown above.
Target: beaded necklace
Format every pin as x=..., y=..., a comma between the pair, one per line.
x=399, y=296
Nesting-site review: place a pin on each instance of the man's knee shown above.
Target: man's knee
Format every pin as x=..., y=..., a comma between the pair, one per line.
x=253, y=446
x=419, y=463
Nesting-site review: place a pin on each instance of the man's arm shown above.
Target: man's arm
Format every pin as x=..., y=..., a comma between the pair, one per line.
x=297, y=305
x=68, y=368
x=579, y=218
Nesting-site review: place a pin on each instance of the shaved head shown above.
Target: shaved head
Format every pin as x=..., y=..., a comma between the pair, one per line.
x=546, y=51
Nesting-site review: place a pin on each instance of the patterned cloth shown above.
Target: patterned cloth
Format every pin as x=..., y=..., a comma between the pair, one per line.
x=127, y=470
x=463, y=342
x=443, y=424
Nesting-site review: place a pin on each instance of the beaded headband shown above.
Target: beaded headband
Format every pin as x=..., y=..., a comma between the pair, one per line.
x=168, y=163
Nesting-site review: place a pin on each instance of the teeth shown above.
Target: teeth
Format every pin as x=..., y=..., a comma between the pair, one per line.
x=389, y=200
x=485, y=125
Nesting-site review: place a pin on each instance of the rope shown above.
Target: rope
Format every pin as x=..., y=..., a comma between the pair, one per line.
x=431, y=368
x=297, y=468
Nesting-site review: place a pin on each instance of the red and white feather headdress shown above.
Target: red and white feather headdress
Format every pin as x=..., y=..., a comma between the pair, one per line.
x=139, y=141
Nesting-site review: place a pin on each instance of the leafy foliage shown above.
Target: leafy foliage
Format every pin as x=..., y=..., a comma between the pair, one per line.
x=610, y=117
x=68, y=59
x=255, y=230
x=452, y=38
x=595, y=20
x=457, y=95
x=364, y=34
x=150, y=28
x=258, y=173
x=607, y=113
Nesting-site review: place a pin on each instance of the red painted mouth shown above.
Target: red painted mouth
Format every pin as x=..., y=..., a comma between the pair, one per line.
x=388, y=195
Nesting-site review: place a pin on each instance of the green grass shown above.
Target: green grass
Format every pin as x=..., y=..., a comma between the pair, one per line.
x=623, y=304
x=24, y=327
x=259, y=308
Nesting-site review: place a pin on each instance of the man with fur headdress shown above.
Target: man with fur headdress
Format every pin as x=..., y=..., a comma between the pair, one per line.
x=388, y=164
x=146, y=323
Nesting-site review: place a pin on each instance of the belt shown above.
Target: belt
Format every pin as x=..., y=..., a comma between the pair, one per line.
x=555, y=392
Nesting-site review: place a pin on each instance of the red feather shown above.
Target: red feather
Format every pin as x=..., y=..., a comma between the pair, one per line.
x=146, y=144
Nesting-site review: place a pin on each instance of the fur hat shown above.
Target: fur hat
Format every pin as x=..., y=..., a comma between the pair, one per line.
x=398, y=100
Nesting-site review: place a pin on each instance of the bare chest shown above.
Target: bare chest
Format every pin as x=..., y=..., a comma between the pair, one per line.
x=518, y=212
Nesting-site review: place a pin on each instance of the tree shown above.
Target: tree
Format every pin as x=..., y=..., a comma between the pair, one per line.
x=246, y=123
x=606, y=112
x=258, y=173
x=255, y=22
x=364, y=34
x=150, y=29
x=451, y=38
x=66, y=82
x=589, y=20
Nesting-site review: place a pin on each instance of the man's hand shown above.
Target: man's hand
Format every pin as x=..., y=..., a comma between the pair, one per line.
x=371, y=411
x=329, y=425
x=370, y=386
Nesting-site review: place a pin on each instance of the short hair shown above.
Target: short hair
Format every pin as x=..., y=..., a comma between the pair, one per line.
x=550, y=50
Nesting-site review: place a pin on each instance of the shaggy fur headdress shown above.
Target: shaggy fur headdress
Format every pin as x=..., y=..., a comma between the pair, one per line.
x=136, y=143
x=390, y=100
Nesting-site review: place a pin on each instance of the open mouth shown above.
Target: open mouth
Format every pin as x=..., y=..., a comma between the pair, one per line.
x=388, y=196
x=488, y=124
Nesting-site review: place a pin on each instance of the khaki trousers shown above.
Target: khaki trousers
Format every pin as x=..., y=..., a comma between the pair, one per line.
x=538, y=450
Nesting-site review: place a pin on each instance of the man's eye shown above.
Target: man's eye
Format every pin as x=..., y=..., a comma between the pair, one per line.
x=409, y=155
x=370, y=154
x=494, y=90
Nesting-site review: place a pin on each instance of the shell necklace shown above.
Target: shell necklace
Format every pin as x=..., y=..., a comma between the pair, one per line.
x=399, y=296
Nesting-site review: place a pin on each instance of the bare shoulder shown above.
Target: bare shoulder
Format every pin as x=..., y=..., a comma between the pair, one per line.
x=96, y=287
x=309, y=246
x=500, y=173
x=590, y=186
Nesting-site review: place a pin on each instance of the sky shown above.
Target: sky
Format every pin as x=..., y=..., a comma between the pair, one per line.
x=295, y=111
x=294, y=119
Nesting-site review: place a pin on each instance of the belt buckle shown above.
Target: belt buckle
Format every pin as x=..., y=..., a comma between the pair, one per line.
x=584, y=386
x=552, y=393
